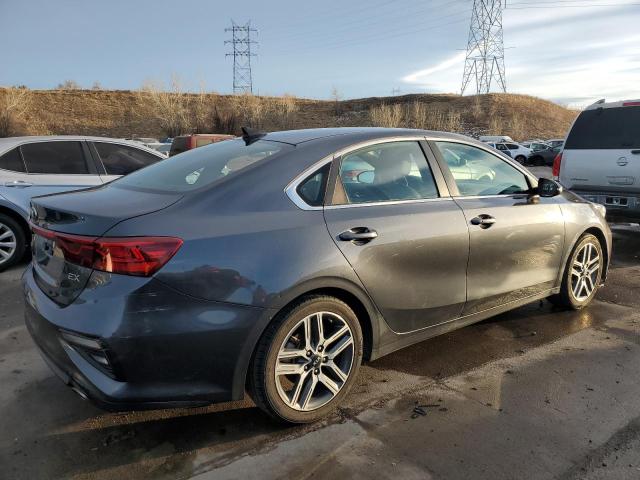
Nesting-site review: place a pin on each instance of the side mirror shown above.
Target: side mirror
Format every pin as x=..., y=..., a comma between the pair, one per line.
x=365, y=177
x=548, y=188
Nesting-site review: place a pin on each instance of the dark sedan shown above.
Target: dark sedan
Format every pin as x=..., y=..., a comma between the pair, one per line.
x=543, y=157
x=265, y=262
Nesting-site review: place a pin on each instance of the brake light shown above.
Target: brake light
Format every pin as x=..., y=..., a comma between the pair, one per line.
x=139, y=256
x=631, y=104
x=556, y=165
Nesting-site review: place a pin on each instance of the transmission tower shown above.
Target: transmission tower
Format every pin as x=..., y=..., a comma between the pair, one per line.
x=485, y=49
x=241, y=42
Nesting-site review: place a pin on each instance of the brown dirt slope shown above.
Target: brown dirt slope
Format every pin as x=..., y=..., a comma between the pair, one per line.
x=125, y=113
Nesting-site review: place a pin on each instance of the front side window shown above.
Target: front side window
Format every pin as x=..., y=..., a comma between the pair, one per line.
x=478, y=172
x=512, y=146
x=64, y=158
x=12, y=161
x=199, y=167
x=387, y=172
x=122, y=159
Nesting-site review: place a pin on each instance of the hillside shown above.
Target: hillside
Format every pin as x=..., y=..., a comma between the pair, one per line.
x=132, y=113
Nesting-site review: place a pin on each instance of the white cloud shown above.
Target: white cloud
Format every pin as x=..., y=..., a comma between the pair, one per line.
x=420, y=76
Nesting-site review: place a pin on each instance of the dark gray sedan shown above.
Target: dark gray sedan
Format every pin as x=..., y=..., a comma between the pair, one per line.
x=280, y=262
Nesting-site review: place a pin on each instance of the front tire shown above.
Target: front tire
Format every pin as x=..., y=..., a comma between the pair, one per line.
x=12, y=242
x=521, y=159
x=582, y=274
x=307, y=360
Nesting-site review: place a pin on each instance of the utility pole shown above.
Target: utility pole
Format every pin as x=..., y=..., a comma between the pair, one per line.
x=484, y=63
x=241, y=42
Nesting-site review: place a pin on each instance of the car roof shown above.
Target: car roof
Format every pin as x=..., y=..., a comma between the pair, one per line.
x=621, y=103
x=9, y=142
x=296, y=137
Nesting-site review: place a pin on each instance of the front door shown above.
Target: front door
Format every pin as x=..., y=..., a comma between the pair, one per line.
x=407, y=241
x=516, y=239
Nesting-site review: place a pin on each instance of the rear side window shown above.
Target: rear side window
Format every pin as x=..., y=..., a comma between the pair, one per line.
x=122, y=159
x=199, y=167
x=54, y=157
x=12, y=161
x=606, y=128
x=312, y=189
x=179, y=145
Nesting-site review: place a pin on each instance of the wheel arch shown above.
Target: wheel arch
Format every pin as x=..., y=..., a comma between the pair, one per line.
x=20, y=220
x=344, y=290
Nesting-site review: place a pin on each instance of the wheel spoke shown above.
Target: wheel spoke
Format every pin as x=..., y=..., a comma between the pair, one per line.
x=307, y=393
x=290, y=353
x=289, y=369
x=307, y=333
x=588, y=282
x=6, y=234
x=333, y=387
x=319, y=329
x=340, y=346
x=298, y=389
x=7, y=244
x=5, y=254
x=344, y=329
x=339, y=373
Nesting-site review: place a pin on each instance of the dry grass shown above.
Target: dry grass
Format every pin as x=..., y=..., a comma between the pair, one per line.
x=126, y=113
x=14, y=104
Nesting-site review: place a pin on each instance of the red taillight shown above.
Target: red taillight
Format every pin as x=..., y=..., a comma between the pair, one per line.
x=140, y=256
x=631, y=104
x=556, y=165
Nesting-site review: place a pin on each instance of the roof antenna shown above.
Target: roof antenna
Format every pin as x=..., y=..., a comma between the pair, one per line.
x=250, y=135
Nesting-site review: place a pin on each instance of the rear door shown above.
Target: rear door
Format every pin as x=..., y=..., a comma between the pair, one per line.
x=516, y=240
x=118, y=159
x=404, y=236
x=602, y=151
x=51, y=167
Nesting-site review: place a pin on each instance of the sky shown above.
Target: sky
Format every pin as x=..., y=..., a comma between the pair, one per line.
x=570, y=52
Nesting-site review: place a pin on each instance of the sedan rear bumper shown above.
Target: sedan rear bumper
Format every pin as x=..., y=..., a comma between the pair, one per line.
x=152, y=349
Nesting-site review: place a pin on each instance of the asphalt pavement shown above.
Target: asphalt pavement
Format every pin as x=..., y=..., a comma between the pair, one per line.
x=532, y=393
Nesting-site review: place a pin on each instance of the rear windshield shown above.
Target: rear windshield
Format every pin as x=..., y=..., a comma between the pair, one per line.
x=201, y=166
x=606, y=128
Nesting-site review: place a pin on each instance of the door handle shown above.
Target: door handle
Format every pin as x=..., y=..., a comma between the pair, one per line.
x=484, y=220
x=358, y=235
x=635, y=152
x=18, y=183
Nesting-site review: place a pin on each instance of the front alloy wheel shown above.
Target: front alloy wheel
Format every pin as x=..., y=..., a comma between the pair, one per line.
x=307, y=360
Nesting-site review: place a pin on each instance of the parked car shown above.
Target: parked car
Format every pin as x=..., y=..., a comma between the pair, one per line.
x=31, y=166
x=556, y=142
x=601, y=158
x=535, y=146
x=516, y=151
x=187, y=142
x=252, y=263
x=495, y=138
x=544, y=157
x=159, y=147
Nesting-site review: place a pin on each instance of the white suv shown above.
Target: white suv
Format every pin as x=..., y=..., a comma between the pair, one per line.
x=516, y=151
x=601, y=157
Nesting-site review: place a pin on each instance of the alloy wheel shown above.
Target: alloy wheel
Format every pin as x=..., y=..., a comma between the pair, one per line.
x=314, y=361
x=7, y=243
x=584, y=272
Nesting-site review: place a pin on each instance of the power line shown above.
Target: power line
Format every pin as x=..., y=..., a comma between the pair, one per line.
x=484, y=62
x=241, y=42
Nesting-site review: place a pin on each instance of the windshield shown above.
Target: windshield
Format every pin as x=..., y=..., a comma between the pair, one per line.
x=201, y=166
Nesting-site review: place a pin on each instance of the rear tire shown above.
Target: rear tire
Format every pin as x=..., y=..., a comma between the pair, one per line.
x=582, y=274
x=296, y=375
x=12, y=242
x=521, y=159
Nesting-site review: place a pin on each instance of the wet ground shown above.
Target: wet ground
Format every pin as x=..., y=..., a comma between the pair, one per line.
x=533, y=393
